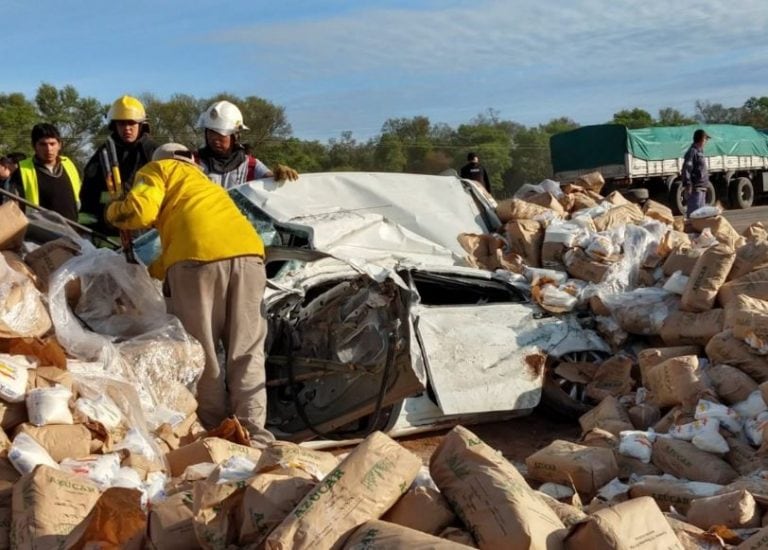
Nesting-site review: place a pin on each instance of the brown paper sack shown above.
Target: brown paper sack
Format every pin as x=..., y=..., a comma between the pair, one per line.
x=597, y=437
x=15, y=262
x=750, y=257
x=735, y=510
x=570, y=515
x=731, y=385
x=457, y=534
x=580, y=266
x=170, y=523
x=13, y=225
x=758, y=541
x=659, y=212
x=518, y=209
x=609, y=415
x=49, y=257
x=650, y=357
x=721, y=229
x=525, y=238
x=267, y=501
x=384, y=535
x=725, y=348
x=117, y=521
x=60, y=440
x=210, y=449
x=681, y=327
x=283, y=454
x=675, y=417
x=587, y=468
x=753, y=284
x=215, y=505
x=619, y=215
x=668, y=493
x=547, y=200
x=707, y=277
x=670, y=241
x=49, y=377
x=592, y=181
x=644, y=416
x=682, y=258
x=616, y=199
x=637, y=524
x=747, y=316
x=490, y=496
x=743, y=457
x=484, y=250
x=364, y=486
x=628, y=466
x=47, y=505
x=683, y=459
x=613, y=378
x=675, y=381
x=423, y=509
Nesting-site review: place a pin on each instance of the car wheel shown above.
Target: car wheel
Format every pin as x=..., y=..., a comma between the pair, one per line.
x=563, y=398
x=741, y=193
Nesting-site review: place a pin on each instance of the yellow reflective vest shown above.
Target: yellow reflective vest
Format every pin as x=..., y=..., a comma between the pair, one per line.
x=29, y=179
x=196, y=219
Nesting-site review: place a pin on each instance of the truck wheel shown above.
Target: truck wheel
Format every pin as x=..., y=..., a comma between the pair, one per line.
x=676, y=199
x=711, y=197
x=741, y=193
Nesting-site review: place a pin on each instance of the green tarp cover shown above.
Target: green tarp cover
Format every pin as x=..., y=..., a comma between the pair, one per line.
x=605, y=144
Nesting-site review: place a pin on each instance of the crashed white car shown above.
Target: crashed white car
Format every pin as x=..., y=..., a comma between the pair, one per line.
x=377, y=319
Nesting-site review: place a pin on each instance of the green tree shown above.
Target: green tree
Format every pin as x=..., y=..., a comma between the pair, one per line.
x=491, y=139
x=388, y=155
x=635, y=118
x=716, y=113
x=304, y=156
x=17, y=116
x=174, y=120
x=672, y=117
x=755, y=112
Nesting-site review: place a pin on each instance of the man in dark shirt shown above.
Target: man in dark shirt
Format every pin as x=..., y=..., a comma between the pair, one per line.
x=48, y=179
x=473, y=170
x=694, y=174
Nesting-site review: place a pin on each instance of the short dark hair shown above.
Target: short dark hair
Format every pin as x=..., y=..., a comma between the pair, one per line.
x=7, y=162
x=17, y=156
x=699, y=135
x=471, y=155
x=44, y=130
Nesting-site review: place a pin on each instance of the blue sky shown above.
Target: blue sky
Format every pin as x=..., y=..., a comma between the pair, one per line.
x=350, y=65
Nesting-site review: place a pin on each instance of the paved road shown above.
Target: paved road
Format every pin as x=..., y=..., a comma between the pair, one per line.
x=741, y=219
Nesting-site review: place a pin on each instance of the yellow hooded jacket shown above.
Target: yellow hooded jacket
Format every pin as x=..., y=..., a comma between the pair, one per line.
x=196, y=219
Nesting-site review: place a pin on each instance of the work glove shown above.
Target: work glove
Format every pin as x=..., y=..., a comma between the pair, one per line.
x=284, y=173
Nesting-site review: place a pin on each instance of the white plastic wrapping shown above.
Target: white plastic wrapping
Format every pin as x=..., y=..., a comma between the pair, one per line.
x=706, y=212
x=753, y=428
x=676, y=283
x=26, y=454
x=688, y=431
x=49, y=406
x=643, y=310
x=534, y=274
x=13, y=377
x=125, y=326
x=100, y=409
x=751, y=406
x=22, y=312
x=637, y=444
x=710, y=441
x=101, y=469
x=728, y=417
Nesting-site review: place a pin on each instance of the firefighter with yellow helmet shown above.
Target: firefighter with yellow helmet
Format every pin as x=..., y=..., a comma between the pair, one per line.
x=223, y=158
x=130, y=132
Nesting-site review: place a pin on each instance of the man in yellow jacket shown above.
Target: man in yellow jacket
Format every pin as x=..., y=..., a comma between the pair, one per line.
x=214, y=277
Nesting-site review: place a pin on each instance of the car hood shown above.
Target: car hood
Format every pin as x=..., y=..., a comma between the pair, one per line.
x=378, y=217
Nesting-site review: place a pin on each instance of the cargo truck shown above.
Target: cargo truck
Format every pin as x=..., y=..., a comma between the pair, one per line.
x=651, y=158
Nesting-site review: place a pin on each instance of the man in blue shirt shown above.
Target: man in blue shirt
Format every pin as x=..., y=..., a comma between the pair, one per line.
x=694, y=174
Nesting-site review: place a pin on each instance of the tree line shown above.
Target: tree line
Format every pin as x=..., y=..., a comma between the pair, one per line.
x=512, y=153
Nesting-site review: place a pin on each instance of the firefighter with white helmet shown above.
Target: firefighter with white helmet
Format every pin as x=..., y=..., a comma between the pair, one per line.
x=129, y=128
x=224, y=158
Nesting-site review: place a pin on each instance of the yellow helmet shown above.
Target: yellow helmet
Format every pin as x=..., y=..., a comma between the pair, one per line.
x=127, y=108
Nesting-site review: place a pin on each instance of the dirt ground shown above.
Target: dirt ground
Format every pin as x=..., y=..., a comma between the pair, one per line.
x=516, y=438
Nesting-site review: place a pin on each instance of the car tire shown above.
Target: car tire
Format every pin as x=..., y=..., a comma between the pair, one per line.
x=741, y=193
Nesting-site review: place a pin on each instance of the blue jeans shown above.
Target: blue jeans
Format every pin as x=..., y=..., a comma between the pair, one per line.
x=696, y=199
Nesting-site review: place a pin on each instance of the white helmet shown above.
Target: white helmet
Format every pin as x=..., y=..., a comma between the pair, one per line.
x=223, y=118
